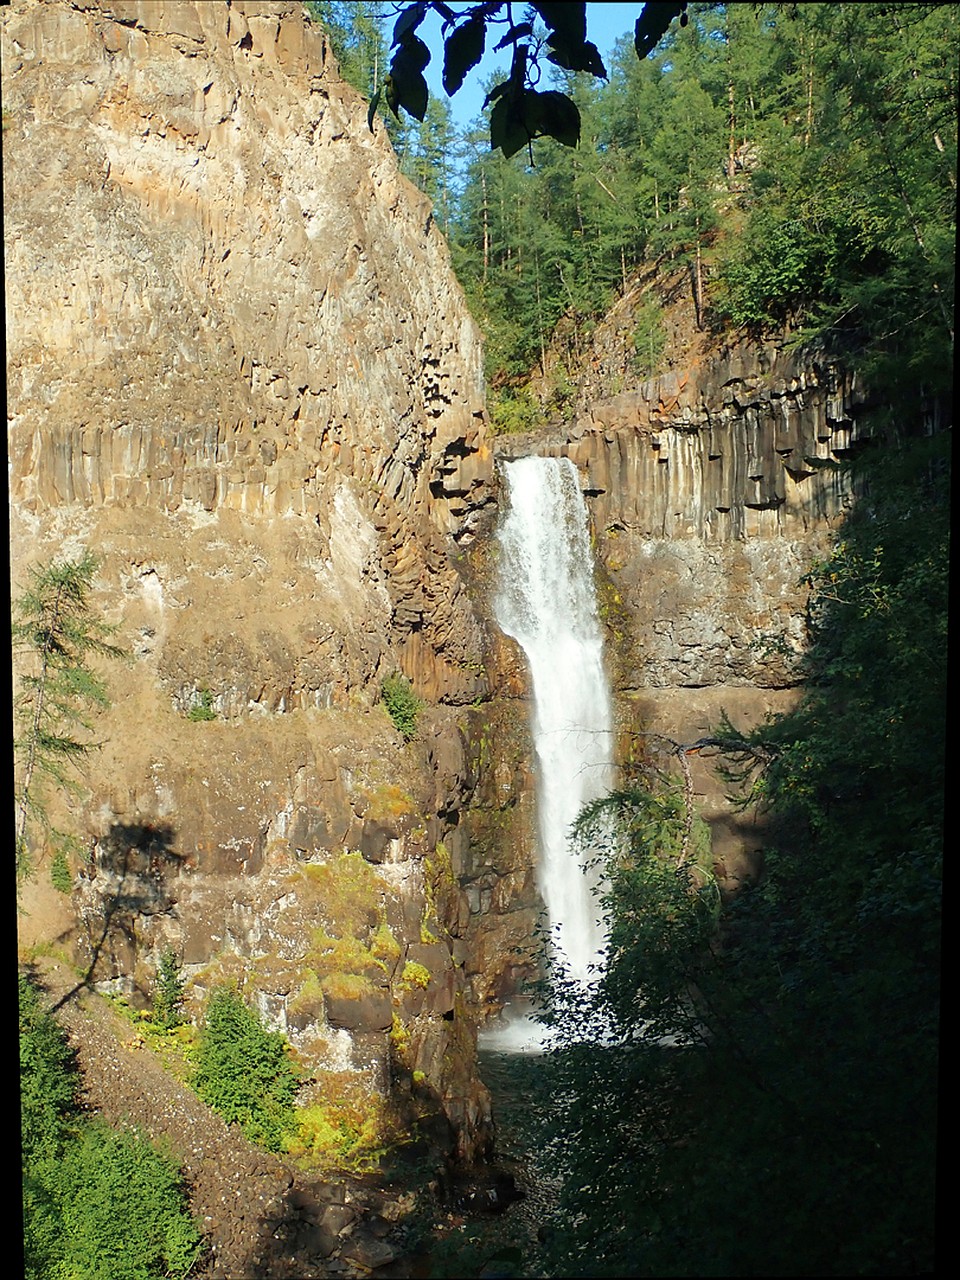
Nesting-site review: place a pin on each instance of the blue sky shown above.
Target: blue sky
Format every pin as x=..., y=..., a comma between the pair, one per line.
x=605, y=24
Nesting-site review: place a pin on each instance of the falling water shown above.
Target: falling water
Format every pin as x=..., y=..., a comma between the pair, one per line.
x=546, y=601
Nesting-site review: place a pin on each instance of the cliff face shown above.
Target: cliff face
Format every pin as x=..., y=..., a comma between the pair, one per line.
x=241, y=372
x=710, y=491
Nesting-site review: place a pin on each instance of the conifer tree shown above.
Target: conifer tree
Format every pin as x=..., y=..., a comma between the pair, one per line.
x=56, y=633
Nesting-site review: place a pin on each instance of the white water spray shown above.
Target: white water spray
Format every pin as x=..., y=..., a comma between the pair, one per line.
x=547, y=603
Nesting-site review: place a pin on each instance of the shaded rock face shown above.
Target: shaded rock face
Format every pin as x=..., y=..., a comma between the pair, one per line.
x=241, y=372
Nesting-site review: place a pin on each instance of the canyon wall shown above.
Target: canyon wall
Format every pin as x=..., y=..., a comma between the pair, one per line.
x=711, y=491
x=240, y=371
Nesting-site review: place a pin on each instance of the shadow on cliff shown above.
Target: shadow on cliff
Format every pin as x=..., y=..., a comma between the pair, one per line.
x=124, y=885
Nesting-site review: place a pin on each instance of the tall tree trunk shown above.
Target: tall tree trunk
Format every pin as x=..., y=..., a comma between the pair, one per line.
x=915, y=76
x=540, y=333
x=732, y=149
x=519, y=238
x=486, y=226
x=889, y=156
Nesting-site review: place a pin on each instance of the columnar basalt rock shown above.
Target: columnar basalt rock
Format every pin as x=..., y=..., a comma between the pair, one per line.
x=224, y=297
x=240, y=370
x=710, y=491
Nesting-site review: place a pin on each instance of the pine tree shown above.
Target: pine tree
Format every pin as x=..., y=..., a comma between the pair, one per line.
x=55, y=634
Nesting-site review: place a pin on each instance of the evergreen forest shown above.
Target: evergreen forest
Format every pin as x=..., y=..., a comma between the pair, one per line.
x=794, y=165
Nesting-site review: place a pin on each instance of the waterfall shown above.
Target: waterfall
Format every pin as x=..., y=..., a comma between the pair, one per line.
x=547, y=603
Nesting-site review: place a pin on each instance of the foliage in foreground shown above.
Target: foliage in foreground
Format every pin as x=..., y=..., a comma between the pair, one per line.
x=790, y=1127
x=99, y=1203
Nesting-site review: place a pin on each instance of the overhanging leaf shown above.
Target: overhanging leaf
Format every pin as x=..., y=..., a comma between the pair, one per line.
x=462, y=51
x=496, y=92
x=518, y=32
x=409, y=20
x=517, y=119
x=412, y=52
x=552, y=114
x=405, y=86
x=507, y=130
x=568, y=20
x=652, y=24
x=576, y=56
x=408, y=90
x=372, y=109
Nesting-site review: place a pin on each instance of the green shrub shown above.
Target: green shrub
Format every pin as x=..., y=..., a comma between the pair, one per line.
x=122, y=1210
x=202, y=710
x=514, y=410
x=244, y=1071
x=98, y=1204
x=60, y=876
x=403, y=705
x=48, y=1081
x=649, y=339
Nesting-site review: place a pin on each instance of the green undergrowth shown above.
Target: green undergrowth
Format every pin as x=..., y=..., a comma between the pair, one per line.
x=251, y=1077
x=175, y=1045
x=344, y=1126
x=98, y=1201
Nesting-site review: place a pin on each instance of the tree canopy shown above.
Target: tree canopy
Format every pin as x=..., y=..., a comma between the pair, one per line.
x=795, y=166
x=56, y=632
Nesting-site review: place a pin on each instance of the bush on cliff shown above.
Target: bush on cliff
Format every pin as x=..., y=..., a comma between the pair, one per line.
x=245, y=1072
x=403, y=705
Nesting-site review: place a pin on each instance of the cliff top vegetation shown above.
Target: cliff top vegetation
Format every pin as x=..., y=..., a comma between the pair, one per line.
x=784, y=170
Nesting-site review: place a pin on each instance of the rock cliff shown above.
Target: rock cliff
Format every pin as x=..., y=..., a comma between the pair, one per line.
x=241, y=372
x=710, y=491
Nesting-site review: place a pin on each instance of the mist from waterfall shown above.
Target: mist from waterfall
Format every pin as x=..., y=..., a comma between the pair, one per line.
x=547, y=602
